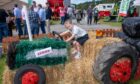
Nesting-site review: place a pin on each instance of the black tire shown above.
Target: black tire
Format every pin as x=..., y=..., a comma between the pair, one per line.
x=108, y=56
x=30, y=67
x=11, y=52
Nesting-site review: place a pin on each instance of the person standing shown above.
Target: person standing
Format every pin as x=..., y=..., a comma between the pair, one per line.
x=48, y=17
x=17, y=14
x=34, y=21
x=42, y=16
x=89, y=13
x=62, y=15
x=35, y=6
x=24, y=21
x=78, y=16
x=95, y=15
x=3, y=24
x=10, y=22
x=70, y=12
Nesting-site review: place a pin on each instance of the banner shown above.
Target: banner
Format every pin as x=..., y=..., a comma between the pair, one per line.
x=124, y=7
x=30, y=2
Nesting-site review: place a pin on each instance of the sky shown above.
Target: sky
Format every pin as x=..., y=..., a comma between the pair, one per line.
x=79, y=1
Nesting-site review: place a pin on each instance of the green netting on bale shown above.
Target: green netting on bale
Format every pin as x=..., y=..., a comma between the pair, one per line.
x=25, y=46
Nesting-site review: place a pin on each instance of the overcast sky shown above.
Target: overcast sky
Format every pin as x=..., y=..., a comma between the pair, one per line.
x=79, y=1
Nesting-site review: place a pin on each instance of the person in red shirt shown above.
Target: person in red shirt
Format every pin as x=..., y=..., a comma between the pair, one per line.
x=135, y=13
x=62, y=15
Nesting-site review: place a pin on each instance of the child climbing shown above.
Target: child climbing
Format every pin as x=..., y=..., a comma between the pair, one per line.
x=78, y=37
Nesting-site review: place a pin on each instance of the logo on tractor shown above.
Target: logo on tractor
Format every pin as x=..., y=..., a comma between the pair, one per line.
x=43, y=52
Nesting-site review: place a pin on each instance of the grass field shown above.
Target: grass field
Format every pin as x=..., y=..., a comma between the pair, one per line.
x=111, y=23
x=2, y=65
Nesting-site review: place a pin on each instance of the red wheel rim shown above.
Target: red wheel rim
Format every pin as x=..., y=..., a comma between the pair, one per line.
x=121, y=70
x=30, y=78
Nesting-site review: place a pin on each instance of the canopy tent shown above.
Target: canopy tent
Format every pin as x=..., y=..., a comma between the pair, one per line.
x=137, y=3
x=37, y=1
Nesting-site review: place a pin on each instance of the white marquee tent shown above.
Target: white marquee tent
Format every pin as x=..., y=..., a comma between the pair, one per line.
x=137, y=4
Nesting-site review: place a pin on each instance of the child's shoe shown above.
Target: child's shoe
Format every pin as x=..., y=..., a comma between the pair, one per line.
x=78, y=55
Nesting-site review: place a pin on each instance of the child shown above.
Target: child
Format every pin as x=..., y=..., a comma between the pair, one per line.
x=79, y=36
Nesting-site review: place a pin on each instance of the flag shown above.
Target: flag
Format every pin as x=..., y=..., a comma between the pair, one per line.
x=124, y=7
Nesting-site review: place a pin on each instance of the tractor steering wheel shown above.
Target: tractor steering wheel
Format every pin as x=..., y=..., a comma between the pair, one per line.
x=56, y=33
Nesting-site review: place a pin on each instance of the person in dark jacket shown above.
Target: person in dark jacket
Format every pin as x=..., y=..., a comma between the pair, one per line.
x=95, y=15
x=48, y=17
x=89, y=12
x=3, y=24
x=10, y=23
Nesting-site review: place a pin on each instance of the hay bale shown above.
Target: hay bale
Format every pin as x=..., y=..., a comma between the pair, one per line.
x=54, y=75
x=81, y=71
x=7, y=41
x=8, y=76
x=75, y=71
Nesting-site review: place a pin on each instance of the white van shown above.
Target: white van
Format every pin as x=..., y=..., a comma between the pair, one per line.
x=105, y=7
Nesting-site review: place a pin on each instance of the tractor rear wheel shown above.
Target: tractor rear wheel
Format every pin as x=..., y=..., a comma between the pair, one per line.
x=116, y=63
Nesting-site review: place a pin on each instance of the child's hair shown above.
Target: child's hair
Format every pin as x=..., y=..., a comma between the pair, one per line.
x=68, y=21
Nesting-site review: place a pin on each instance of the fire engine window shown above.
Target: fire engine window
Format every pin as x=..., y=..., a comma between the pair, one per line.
x=109, y=6
x=104, y=7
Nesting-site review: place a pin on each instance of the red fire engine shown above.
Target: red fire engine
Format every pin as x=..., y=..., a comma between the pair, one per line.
x=55, y=6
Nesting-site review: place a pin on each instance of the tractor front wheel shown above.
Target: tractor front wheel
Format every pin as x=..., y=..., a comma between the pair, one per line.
x=30, y=74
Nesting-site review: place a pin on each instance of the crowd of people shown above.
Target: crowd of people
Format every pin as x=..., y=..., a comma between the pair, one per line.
x=39, y=18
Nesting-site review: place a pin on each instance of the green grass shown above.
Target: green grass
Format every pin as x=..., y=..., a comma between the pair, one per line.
x=2, y=65
x=115, y=24
x=134, y=82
